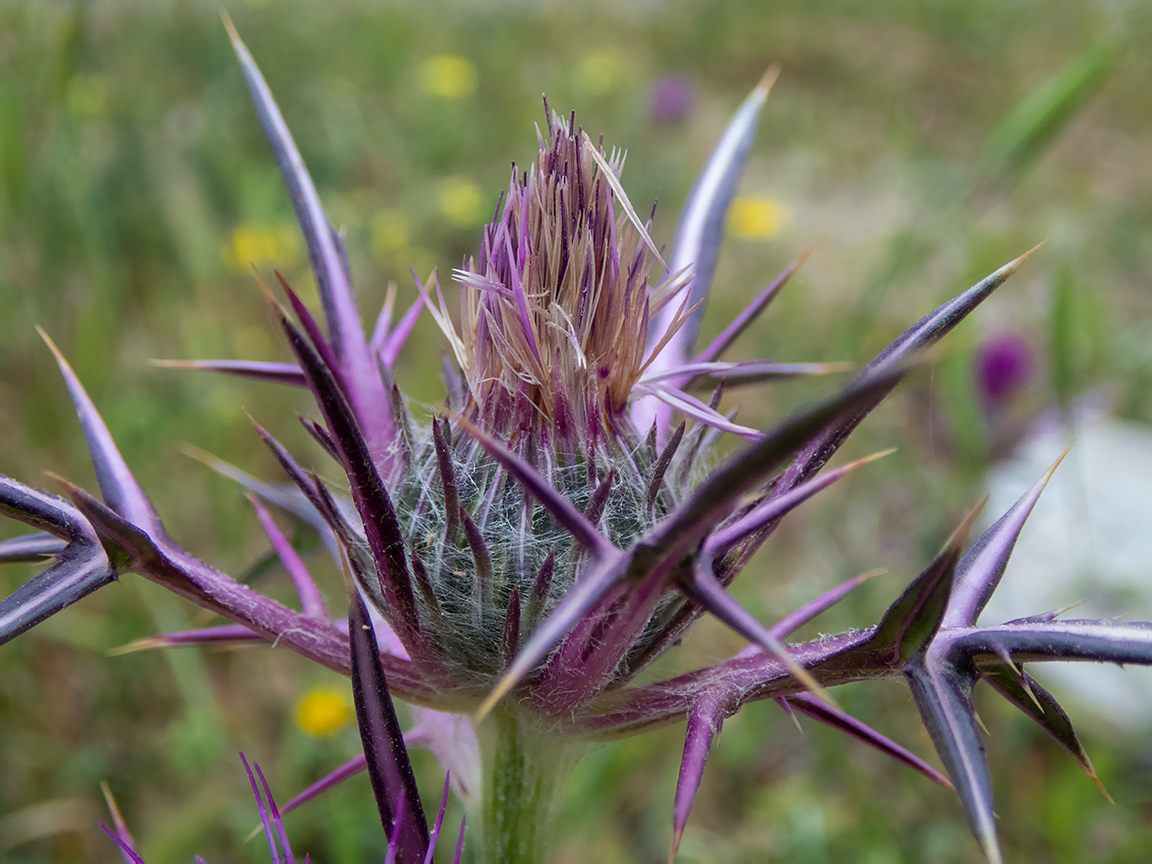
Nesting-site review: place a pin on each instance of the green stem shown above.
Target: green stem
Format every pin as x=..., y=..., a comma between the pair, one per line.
x=525, y=773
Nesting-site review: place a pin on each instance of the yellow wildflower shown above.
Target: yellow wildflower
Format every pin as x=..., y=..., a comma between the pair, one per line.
x=600, y=73
x=460, y=201
x=448, y=76
x=323, y=711
x=758, y=218
x=390, y=233
x=259, y=244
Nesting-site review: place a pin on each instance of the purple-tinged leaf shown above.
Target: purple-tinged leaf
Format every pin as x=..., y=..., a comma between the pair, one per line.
x=510, y=644
x=447, y=481
x=624, y=711
x=1104, y=641
x=311, y=329
x=700, y=230
x=540, y=587
x=909, y=625
x=562, y=510
x=126, y=851
x=598, y=500
x=317, y=513
x=943, y=693
x=687, y=526
x=179, y=572
x=223, y=636
x=656, y=481
x=329, y=263
x=921, y=335
x=435, y=835
x=264, y=820
x=384, y=320
x=702, y=588
x=393, y=850
x=592, y=587
x=459, y=857
x=43, y=510
x=336, y=295
x=30, y=547
x=775, y=508
x=388, y=765
x=291, y=500
x=348, y=769
x=389, y=349
x=311, y=603
x=320, y=436
x=481, y=560
x=424, y=585
x=381, y=526
x=595, y=644
x=741, y=322
x=753, y=372
x=277, y=821
x=1025, y=692
x=123, y=836
x=979, y=572
x=696, y=244
x=454, y=384
x=705, y=719
x=119, y=488
x=257, y=370
x=837, y=719
x=827, y=600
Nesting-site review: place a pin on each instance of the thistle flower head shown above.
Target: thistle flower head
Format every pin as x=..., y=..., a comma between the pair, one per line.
x=556, y=306
x=532, y=544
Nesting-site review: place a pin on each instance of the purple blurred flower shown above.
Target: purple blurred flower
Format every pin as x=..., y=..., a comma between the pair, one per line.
x=670, y=99
x=1002, y=365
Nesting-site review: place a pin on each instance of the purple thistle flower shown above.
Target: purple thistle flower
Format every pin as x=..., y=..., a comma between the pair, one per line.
x=523, y=557
x=670, y=99
x=1002, y=365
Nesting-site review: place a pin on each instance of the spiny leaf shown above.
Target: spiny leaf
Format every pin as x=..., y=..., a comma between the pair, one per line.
x=30, y=547
x=344, y=325
x=979, y=572
x=381, y=526
x=910, y=623
x=861, y=732
x=943, y=693
x=117, y=485
x=705, y=720
x=775, y=507
x=921, y=335
x=388, y=765
x=742, y=321
x=700, y=231
x=277, y=373
x=1025, y=692
x=81, y=567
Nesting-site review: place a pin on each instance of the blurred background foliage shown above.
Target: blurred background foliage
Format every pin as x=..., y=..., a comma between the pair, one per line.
x=919, y=146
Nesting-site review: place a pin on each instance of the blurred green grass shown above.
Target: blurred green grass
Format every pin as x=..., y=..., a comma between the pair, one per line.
x=920, y=145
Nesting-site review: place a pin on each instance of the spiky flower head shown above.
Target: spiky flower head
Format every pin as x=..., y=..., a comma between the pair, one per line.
x=531, y=550
x=556, y=308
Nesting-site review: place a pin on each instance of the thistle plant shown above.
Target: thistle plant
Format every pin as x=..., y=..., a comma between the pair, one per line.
x=515, y=563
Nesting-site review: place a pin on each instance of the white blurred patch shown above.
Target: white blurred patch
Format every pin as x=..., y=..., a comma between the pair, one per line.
x=1089, y=540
